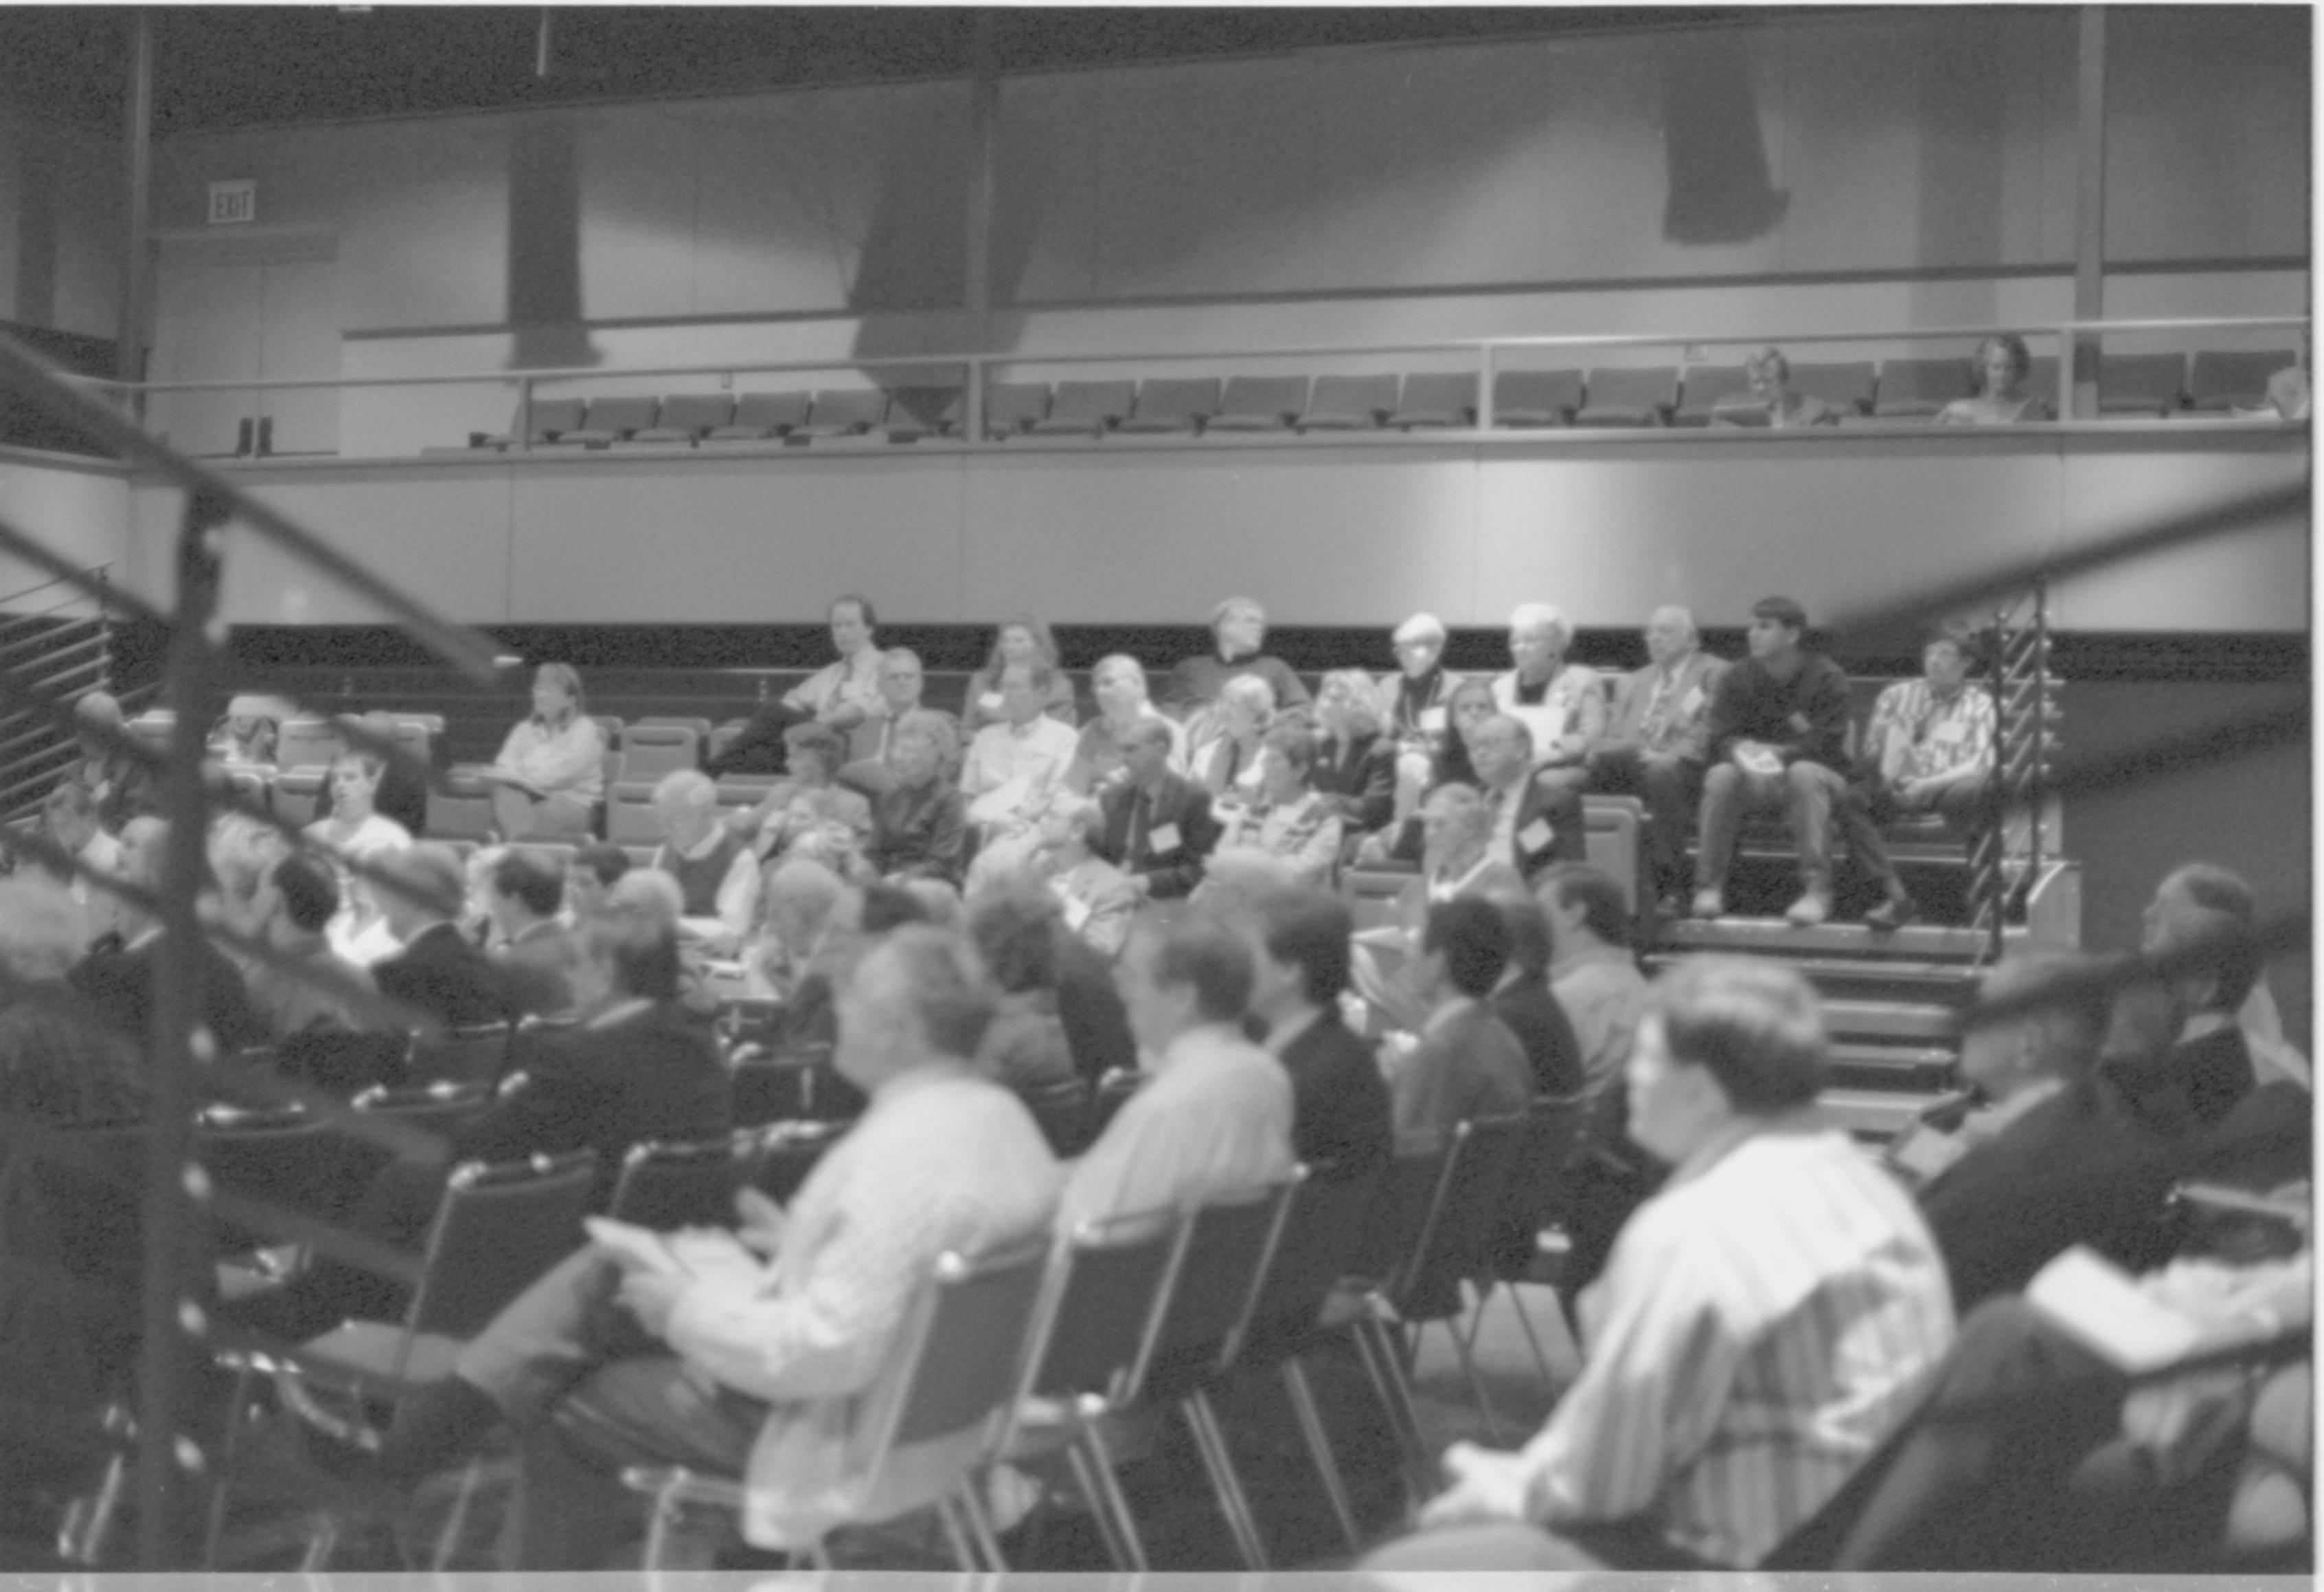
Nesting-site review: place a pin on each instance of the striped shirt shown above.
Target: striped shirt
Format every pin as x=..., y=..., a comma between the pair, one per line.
x=1919, y=737
x=1763, y=1324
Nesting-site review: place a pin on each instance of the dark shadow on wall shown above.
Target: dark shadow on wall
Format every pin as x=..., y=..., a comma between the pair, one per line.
x=38, y=173
x=915, y=255
x=544, y=249
x=1721, y=190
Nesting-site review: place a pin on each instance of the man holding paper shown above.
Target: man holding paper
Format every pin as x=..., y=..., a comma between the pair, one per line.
x=1656, y=741
x=755, y=1354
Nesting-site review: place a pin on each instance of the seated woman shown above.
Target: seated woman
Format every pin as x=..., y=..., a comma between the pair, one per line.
x=1287, y=818
x=1355, y=761
x=1999, y=369
x=1014, y=929
x=550, y=775
x=920, y=826
x=1773, y=397
x=1020, y=640
x=1097, y=897
x=356, y=831
x=806, y=802
x=245, y=736
x=1226, y=742
x=1119, y=683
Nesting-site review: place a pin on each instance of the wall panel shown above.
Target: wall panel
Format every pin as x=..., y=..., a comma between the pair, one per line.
x=78, y=511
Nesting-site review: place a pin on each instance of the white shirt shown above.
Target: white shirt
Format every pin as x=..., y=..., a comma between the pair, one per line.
x=942, y=1160
x=1215, y=1116
x=737, y=898
x=1763, y=1324
x=1012, y=768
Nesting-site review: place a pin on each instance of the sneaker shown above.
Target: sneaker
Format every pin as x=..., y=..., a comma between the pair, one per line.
x=1811, y=909
x=1709, y=902
x=1893, y=914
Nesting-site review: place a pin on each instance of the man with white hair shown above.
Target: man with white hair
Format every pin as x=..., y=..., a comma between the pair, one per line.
x=1657, y=741
x=1563, y=703
x=1119, y=683
x=1239, y=625
x=715, y=873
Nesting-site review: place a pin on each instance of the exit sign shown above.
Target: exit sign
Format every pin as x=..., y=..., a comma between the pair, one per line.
x=232, y=203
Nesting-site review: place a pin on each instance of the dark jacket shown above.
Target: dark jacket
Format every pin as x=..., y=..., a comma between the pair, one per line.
x=1804, y=718
x=440, y=970
x=1359, y=776
x=1097, y=1025
x=920, y=832
x=1338, y=1099
x=120, y=986
x=1131, y=821
x=1534, y=1014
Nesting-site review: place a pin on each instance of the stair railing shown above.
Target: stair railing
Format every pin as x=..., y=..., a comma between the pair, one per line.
x=57, y=635
x=2011, y=840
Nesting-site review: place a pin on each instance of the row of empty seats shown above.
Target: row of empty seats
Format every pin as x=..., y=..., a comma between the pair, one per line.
x=2130, y=385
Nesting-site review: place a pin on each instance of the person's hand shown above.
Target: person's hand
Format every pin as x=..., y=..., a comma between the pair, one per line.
x=1757, y=757
x=1143, y=883
x=650, y=1296
x=1488, y=1485
x=1373, y=851
x=761, y=1221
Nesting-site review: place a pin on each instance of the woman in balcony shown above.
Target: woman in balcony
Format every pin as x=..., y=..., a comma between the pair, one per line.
x=550, y=775
x=1999, y=369
x=1021, y=640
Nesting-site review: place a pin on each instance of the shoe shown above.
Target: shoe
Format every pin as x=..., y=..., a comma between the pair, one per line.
x=1893, y=914
x=1812, y=908
x=1709, y=902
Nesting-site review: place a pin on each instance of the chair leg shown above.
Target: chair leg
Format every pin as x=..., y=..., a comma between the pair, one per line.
x=1093, y=1495
x=980, y=1524
x=963, y=1551
x=447, y=1541
x=1319, y=1448
x=1533, y=1337
x=1211, y=1443
x=1387, y=1373
x=660, y=1515
x=1102, y=1461
x=1476, y=1382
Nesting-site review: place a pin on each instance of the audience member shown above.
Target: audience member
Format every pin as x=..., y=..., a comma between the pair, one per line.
x=524, y=893
x=1014, y=930
x=2289, y=396
x=1526, y=1005
x=1592, y=970
x=356, y=833
x=902, y=679
x=590, y=872
x=2207, y=915
x=1239, y=628
x=1096, y=898
x=301, y=900
x=1767, y=1324
x=807, y=809
x=401, y=793
x=68, y=820
x=1025, y=641
x=1021, y=756
x=245, y=735
x=1929, y=748
x=1340, y=1111
x=799, y=897
x=1158, y=826
x=1119, y=683
x=1466, y=1063
x=60, y=1062
x=119, y=975
x=1562, y=704
x=1773, y=401
x=1415, y=702
x=1656, y=742
x=1999, y=371
x=1355, y=758
x=1286, y=817
x=920, y=824
x=1226, y=742
x=1456, y=854
x=717, y=875
x=122, y=787
x=549, y=779
x=1778, y=735
x=440, y=970
x=1215, y=1113
x=844, y=695
x=769, y=1352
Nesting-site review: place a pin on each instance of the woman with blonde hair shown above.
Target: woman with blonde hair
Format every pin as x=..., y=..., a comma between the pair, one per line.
x=550, y=775
x=1020, y=640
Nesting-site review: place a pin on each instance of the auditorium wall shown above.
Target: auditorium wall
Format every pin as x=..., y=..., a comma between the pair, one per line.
x=1914, y=168
x=60, y=228
x=81, y=511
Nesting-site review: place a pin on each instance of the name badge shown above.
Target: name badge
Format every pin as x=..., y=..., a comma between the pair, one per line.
x=1951, y=734
x=1432, y=721
x=1076, y=913
x=1535, y=837
x=990, y=701
x=1164, y=839
x=1924, y=1152
x=1691, y=702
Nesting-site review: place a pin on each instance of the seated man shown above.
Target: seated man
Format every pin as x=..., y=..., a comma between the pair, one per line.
x=1415, y=705
x=844, y=695
x=524, y=895
x=68, y=819
x=1339, y=1102
x=1097, y=898
x=1239, y=624
x=1929, y=748
x=920, y=824
x=766, y=1354
x=1767, y=1322
x=122, y=787
x=1158, y=826
x=1655, y=744
x=1533, y=820
x=716, y=874
x=438, y=968
x=901, y=680
x=1014, y=765
x=590, y=872
x=2205, y=914
x=1355, y=758
x=1465, y=1063
x=121, y=972
x=1215, y=1114
x=1119, y=685
x=808, y=811
x=1779, y=739
x=1562, y=704
x=297, y=904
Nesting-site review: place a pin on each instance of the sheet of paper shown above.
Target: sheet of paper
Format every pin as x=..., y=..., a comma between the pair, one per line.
x=2096, y=1304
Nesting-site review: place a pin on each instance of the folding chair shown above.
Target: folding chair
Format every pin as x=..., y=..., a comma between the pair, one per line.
x=760, y=416
x=1174, y=403
x=551, y=418
x=1087, y=409
x=1063, y=1111
x=473, y=1055
x=461, y=809
x=1259, y=403
x=2145, y=384
x=1535, y=1202
x=1349, y=404
x=649, y=751
x=843, y=411
x=1709, y=387
x=2221, y=380
x=629, y=816
x=1437, y=401
x=1629, y=397
x=686, y=417
x=609, y=421
x=783, y=1154
x=284, y=1157
x=1535, y=399
x=1916, y=389
x=915, y=413
x=345, y=1063
x=959, y=1355
x=497, y=1229
x=670, y=1185
x=1847, y=385
x=1011, y=409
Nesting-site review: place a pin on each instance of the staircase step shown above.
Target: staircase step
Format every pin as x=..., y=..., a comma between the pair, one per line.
x=1924, y=942
x=1890, y=1067
x=1891, y=1020
x=1864, y=978
x=1874, y=1114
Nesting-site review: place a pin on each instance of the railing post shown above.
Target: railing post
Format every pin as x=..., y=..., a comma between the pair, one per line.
x=1485, y=363
x=972, y=416
x=524, y=415
x=180, y=1044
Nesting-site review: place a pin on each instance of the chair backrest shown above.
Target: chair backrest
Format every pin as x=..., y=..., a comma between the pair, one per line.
x=550, y=416
x=770, y=411
x=1624, y=388
x=1921, y=386
x=283, y=1157
x=1438, y=396
x=696, y=412
x=498, y=1228
x=1359, y=401
x=2223, y=379
x=649, y=751
x=621, y=416
x=1063, y=1111
x=1460, y=1238
x=1708, y=385
x=782, y=1154
x=1011, y=406
x=1228, y=1242
x=476, y=1055
x=932, y=409
x=629, y=816
x=1095, y=402
x=1533, y=395
x=848, y=409
x=963, y=1342
x=1104, y=1306
x=1397, y=1216
x=342, y=1063
x=1540, y=1176
x=669, y=1185
x=441, y=1108
x=1845, y=384
x=1178, y=400
x=2141, y=383
x=1277, y=398
x=1321, y=1225
x=307, y=743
